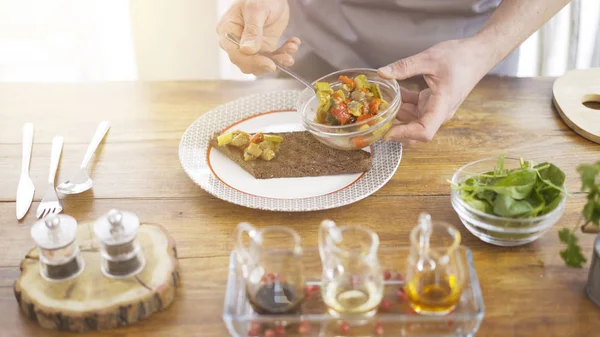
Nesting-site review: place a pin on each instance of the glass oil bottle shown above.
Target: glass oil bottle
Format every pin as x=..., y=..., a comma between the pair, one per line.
x=435, y=275
x=352, y=281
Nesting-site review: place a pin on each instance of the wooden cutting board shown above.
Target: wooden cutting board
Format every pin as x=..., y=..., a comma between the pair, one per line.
x=576, y=96
x=92, y=301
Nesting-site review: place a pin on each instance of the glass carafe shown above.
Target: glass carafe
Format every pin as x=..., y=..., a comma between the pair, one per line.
x=352, y=281
x=435, y=275
x=272, y=268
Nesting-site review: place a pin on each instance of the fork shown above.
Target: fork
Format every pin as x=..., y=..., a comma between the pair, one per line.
x=51, y=204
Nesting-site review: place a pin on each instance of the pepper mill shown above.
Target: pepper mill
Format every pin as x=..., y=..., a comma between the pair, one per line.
x=121, y=253
x=59, y=253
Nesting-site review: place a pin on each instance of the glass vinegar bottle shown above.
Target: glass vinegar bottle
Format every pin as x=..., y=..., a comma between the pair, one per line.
x=435, y=274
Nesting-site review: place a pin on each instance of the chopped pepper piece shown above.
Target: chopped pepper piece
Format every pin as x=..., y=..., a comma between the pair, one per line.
x=374, y=105
x=347, y=81
x=340, y=94
x=225, y=139
x=360, y=142
x=253, y=151
x=361, y=82
x=324, y=106
x=267, y=154
x=257, y=138
x=355, y=108
x=382, y=129
x=341, y=113
x=363, y=118
x=324, y=87
x=364, y=127
x=376, y=91
x=273, y=139
x=266, y=145
x=241, y=139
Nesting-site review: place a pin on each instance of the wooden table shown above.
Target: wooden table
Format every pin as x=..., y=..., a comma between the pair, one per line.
x=527, y=290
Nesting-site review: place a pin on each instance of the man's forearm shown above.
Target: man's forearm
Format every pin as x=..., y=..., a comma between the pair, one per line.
x=512, y=23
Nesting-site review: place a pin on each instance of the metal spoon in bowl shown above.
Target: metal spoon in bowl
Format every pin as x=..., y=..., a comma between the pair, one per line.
x=81, y=182
x=283, y=68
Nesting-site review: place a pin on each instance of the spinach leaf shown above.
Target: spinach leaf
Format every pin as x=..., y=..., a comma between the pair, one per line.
x=552, y=173
x=506, y=206
x=479, y=205
x=486, y=195
x=517, y=184
x=537, y=203
x=527, y=191
x=552, y=198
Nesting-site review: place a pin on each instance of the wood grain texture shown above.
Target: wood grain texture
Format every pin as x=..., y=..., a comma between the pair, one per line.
x=528, y=291
x=92, y=301
x=570, y=92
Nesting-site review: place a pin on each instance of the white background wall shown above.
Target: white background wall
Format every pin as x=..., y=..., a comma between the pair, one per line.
x=123, y=40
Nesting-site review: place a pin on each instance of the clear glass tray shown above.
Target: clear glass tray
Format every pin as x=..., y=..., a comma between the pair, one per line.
x=399, y=320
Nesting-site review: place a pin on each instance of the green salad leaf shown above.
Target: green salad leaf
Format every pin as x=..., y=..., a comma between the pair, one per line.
x=524, y=192
x=572, y=254
x=589, y=174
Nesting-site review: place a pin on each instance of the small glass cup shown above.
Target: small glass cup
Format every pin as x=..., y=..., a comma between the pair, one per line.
x=352, y=281
x=272, y=268
x=435, y=275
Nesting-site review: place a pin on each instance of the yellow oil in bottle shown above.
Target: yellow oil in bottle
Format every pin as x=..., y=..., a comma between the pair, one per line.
x=433, y=292
x=343, y=298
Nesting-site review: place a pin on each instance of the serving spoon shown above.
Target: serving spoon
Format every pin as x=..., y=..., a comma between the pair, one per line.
x=283, y=68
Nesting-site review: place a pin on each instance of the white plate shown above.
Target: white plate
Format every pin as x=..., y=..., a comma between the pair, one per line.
x=274, y=112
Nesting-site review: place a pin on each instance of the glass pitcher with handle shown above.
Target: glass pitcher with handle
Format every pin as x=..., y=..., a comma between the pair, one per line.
x=352, y=281
x=435, y=275
x=272, y=268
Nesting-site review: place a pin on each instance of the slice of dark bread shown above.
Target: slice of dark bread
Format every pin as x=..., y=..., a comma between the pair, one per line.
x=300, y=155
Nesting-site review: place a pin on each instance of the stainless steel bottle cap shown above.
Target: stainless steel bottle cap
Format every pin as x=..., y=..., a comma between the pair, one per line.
x=116, y=227
x=54, y=231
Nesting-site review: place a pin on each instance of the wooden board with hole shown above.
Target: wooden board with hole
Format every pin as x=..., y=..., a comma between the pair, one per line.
x=576, y=96
x=92, y=301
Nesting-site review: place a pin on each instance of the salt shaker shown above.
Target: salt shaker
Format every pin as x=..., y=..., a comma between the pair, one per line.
x=121, y=253
x=59, y=253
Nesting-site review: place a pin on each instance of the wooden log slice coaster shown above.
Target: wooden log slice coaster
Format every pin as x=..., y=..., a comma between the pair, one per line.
x=577, y=99
x=92, y=301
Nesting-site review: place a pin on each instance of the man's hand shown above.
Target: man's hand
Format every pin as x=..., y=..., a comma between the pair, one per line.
x=260, y=24
x=451, y=69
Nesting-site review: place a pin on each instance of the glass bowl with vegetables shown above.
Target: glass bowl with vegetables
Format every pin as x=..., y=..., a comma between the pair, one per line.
x=350, y=109
x=508, y=201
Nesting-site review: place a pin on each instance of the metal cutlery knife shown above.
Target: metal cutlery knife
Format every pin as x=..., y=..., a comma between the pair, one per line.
x=26, y=189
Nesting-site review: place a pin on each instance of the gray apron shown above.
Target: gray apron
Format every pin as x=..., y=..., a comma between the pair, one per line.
x=339, y=34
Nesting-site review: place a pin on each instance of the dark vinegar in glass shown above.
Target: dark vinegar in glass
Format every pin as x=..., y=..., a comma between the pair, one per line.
x=276, y=299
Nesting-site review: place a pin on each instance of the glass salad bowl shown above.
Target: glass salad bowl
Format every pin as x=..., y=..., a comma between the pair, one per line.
x=497, y=230
x=357, y=135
